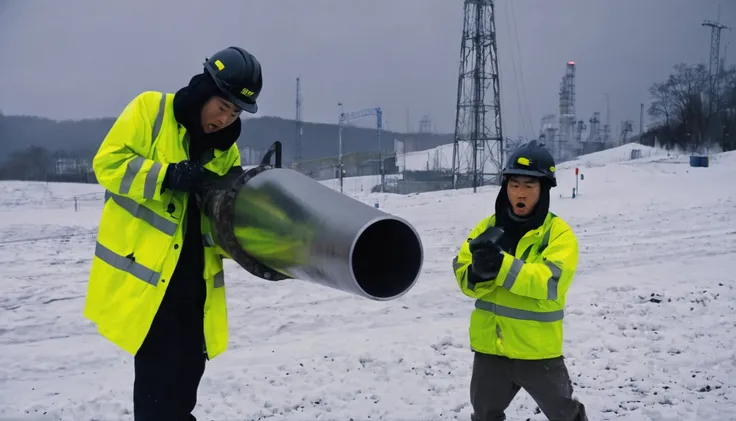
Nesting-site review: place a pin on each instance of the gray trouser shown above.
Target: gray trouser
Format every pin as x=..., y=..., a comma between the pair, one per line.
x=496, y=380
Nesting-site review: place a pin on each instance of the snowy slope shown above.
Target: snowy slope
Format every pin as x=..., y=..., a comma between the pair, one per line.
x=619, y=154
x=650, y=326
x=439, y=158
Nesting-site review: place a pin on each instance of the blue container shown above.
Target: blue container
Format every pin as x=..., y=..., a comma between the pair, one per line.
x=699, y=161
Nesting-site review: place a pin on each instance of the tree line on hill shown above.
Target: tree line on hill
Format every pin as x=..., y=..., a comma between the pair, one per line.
x=31, y=146
x=693, y=110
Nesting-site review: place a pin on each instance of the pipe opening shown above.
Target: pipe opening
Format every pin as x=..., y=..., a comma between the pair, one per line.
x=387, y=258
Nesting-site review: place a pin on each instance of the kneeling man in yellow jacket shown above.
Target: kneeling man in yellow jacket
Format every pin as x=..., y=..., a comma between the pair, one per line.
x=518, y=264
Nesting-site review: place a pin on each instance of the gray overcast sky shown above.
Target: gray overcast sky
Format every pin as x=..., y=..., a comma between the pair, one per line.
x=78, y=59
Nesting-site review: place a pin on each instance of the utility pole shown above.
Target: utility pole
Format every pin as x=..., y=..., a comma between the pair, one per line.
x=379, y=128
x=339, y=137
x=298, y=134
x=641, y=121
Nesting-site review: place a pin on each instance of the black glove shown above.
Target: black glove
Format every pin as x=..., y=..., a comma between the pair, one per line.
x=184, y=176
x=487, y=255
x=487, y=261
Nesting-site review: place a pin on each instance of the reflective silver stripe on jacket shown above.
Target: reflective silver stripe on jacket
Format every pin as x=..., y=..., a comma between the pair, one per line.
x=141, y=212
x=131, y=171
x=516, y=266
x=515, y=313
x=126, y=264
x=159, y=118
x=552, y=282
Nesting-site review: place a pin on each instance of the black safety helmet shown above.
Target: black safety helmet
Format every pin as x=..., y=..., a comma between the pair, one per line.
x=237, y=74
x=532, y=159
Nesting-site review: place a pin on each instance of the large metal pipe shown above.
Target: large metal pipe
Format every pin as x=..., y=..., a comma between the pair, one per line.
x=278, y=224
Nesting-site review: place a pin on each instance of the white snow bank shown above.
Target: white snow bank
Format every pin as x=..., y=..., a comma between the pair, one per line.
x=609, y=156
x=725, y=158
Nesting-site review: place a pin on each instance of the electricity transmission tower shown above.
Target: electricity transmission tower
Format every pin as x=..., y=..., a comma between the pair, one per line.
x=478, y=112
x=715, y=51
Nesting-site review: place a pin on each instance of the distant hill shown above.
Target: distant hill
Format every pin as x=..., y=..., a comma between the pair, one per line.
x=82, y=137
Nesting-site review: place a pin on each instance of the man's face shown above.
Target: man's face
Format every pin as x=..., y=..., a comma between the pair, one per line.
x=523, y=193
x=217, y=114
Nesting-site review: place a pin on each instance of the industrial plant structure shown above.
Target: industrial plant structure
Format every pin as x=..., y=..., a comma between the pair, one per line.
x=569, y=137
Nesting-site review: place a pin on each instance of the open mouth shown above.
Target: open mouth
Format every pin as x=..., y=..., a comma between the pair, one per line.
x=211, y=127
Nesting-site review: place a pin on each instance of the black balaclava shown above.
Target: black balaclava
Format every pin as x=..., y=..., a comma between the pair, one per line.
x=188, y=103
x=516, y=226
x=187, y=281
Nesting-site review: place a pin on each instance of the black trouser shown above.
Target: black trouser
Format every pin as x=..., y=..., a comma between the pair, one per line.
x=496, y=380
x=171, y=361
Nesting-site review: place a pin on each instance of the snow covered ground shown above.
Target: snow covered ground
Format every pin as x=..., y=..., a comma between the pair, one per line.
x=650, y=326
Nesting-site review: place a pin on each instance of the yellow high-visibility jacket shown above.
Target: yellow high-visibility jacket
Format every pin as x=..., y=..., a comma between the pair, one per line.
x=142, y=228
x=519, y=314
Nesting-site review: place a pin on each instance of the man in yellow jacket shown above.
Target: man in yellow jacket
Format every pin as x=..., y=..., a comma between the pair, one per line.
x=156, y=286
x=518, y=264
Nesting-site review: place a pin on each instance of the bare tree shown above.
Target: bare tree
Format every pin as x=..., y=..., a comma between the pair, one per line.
x=688, y=114
x=661, y=108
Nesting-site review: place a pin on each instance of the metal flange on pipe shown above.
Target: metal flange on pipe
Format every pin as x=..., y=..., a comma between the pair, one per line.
x=278, y=224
